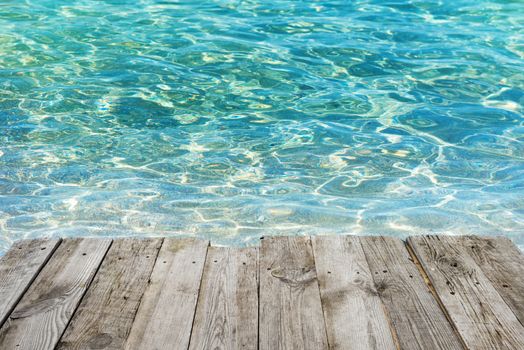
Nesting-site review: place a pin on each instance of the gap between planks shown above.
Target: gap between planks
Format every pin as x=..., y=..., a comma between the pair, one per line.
x=434, y=292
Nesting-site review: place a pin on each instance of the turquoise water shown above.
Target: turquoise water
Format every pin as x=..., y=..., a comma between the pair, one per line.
x=235, y=119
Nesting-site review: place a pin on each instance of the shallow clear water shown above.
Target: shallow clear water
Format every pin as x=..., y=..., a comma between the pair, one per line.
x=234, y=119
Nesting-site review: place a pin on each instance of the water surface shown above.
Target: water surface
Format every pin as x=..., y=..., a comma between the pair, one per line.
x=233, y=119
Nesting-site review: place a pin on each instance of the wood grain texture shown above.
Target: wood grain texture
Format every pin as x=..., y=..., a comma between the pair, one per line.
x=354, y=314
x=417, y=318
x=227, y=310
x=479, y=313
x=165, y=316
x=42, y=314
x=104, y=318
x=503, y=264
x=19, y=267
x=342, y=292
x=290, y=307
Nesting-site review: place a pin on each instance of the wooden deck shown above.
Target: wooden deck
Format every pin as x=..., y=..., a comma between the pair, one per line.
x=347, y=292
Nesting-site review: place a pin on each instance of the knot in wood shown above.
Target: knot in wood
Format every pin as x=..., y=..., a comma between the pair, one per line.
x=100, y=341
x=296, y=276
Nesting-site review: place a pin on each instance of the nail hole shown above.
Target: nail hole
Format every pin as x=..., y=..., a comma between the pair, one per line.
x=384, y=271
x=147, y=256
x=84, y=254
x=505, y=286
x=452, y=293
x=329, y=271
x=215, y=261
x=164, y=261
x=269, y=268
x=194, y=262
x=243, y=263
x=43, y=248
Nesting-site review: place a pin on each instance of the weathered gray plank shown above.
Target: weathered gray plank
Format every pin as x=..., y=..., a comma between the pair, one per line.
x=42, y=314
x=414, y=313
x=479, y=313
x=105, y=315
x=290, y=307
x=227, y=310
x=503, y=264
x=19, y=267
x=354, y=314
x=167, y=309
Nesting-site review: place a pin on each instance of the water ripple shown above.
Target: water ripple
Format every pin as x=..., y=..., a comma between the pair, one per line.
x=229, y=120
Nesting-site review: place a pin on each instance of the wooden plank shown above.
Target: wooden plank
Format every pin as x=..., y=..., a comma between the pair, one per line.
x=42, y=314
x=19, y=267
x=503, y=264
x=417, y=318
x=354, y=314
x=479, y=313
x=167, y=309
x=104, y=318
x=290, y=307
x=227, y=310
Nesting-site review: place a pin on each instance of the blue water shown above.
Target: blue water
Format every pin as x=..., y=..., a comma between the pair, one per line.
x=234, y=119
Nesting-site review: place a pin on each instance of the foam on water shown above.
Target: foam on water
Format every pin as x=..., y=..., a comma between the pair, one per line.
x=233, y=119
